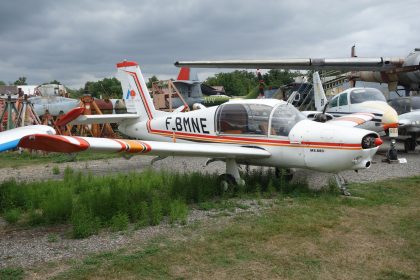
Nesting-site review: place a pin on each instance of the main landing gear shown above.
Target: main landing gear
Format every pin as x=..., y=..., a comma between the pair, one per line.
x=391, y=154
x=410, y=143
x=232, y=176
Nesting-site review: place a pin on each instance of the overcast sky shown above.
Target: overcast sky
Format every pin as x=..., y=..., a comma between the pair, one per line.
x=78, y=41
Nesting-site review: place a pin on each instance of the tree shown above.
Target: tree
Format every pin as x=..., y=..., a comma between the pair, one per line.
x=277, y=78
x=152, y=80
x=235, y=83
x=106, y=88
x=20, y=82
x=2, y=83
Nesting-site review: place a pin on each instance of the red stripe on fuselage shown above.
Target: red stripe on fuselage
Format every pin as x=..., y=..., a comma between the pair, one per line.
x=247, y=140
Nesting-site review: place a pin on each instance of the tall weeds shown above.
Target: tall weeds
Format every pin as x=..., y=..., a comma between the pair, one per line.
x=89, y=202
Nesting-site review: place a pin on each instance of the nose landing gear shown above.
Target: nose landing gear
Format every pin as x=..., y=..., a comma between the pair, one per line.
x=341, y=183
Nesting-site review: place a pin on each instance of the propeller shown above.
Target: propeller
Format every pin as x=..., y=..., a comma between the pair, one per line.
x=322, y=117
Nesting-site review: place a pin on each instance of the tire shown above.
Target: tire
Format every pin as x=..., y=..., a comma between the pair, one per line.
x=226, y=182
x=409, y=145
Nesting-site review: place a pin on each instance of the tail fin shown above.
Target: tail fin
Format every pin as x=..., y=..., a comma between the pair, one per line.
x=187, y=74
x=319, y=94
x=135, y=93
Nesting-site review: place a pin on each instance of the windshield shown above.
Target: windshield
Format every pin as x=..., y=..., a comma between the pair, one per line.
x=284, y=119
x=405, y=104
x=415, y=103
x=243, y=118
x=366, y=94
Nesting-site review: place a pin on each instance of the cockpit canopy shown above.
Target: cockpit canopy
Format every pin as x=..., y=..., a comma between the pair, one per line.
x=405, y=104
x=366, y=94
x=357, y=95
x=257, y=119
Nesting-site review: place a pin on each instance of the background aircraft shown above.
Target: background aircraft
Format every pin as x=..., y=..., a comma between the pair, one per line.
x=404, y=71
x=408, y=109
x=265, y=132
x=356, y=100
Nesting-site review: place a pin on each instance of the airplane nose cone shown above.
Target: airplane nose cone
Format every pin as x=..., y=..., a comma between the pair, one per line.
x=390, y=118
x=378, y=142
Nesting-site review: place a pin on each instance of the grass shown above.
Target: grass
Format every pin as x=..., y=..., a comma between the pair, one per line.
x=373, y=235
x=11, y=273
x=17, y=159
x=90, y=203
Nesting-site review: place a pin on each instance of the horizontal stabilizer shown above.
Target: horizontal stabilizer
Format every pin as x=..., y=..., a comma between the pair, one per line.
x=106, y=118
x=70, y=116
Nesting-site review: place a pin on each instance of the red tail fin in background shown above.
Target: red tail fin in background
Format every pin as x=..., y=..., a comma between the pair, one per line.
x=184, y=74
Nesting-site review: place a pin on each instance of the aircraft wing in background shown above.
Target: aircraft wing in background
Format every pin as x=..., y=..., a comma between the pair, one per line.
x=352, y=120
x=69, y=144
x=347, y=64
x=9, y=139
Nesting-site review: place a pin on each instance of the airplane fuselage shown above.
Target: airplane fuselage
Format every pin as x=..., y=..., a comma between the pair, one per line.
x=309, y=144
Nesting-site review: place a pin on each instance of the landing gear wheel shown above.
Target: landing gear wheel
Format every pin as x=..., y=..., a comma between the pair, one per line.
x=409, y=145
x=226, y=181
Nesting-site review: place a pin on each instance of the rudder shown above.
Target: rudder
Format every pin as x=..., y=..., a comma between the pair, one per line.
x=319, y=94
x=135, y=93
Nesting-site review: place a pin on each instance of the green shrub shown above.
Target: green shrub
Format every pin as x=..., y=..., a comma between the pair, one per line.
x=56, y=170
x=68, y=174
x=52, y=237
x=11, y=273
x=11, y=195
x=178, y=212
x=57, y=206
x=84, y=223
x=143, y=218
x=35, y=217
x=12, y=216
x=119, y=222
x=156, y=211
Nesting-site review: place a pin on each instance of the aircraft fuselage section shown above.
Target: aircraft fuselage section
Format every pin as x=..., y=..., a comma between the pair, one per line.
x=187, y=124
x=309, y=145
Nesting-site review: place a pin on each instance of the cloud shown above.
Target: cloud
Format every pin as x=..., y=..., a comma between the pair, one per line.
x=79, y=40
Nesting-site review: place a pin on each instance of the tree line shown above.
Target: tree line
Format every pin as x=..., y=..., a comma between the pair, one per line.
x=236, y=83
x=241, y=82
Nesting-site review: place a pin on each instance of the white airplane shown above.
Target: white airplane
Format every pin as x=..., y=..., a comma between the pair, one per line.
x=409, y=120
x=355, y=100
x=9, y=139
x=263, y=132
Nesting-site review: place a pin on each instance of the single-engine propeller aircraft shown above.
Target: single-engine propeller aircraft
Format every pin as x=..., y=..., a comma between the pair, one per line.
x=262, y=132
x=355, y=100
x=409, y=120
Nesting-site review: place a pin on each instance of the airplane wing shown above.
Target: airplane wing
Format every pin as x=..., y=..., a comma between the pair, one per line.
x=347, y=64
x=9, y=139
x=69, y=144
x=352, y=120
x=105, y=118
